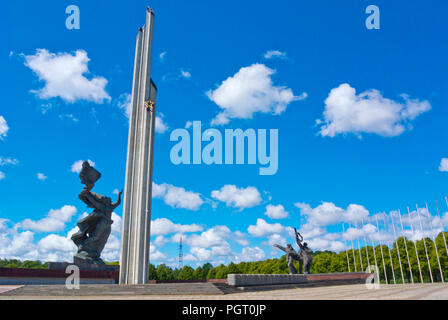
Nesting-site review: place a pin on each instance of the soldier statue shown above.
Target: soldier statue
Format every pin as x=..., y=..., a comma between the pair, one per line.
x=304, y=256
x=291, y=256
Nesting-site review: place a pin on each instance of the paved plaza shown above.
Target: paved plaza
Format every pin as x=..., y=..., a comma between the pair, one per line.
x=205, y=291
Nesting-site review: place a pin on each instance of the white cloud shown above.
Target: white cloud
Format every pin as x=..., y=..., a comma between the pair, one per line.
x=163, y=226
x=8, y=161
x=162, y=56
x=211, y=254
x=3, y=128
x=201, y=254
x=190, y=257
x=443, y=165
x=55, y=220
x=276, y=238
x=328, y=213
x=240, y=238
x=14, y=245
x=41, y=176
x=324, y=244
x=77, y=165
x=212, y=237
x=238, y=197
x=125, y=102
x=365, y=231
x=309, y=230
x=185, y=74
x=63, y=74
x=275, y=54
x=3, y=225
x=368, y=112
x=210, y=245
x=111, y=251
x=251, y=254
x=116, y=225
x=161, y=126
x=262, y=228
x=250, y=91
x=52, y=247
x=276, y=212
x=155, y=254
x=160, y=241
x=181, y=74
x=55, y=242
x=158, y=190
x=69, y=116
x=177, y=197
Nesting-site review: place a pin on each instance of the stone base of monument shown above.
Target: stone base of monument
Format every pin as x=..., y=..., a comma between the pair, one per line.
x=273, y=280
x=83, y=266
x=57, y=275
x=240, y=280
x=44, y=282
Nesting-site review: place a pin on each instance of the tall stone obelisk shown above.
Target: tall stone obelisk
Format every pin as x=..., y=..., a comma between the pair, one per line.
x=136, y=223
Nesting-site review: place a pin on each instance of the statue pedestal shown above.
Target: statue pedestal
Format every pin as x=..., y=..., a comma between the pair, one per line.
x=83, y=266
x=265, y=279
x=320, y=279
x=56, y=275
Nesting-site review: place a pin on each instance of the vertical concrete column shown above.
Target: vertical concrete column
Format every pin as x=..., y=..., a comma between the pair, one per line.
x=136, y=222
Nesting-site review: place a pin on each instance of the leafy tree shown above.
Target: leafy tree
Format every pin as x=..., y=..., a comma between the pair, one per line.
x=211, y=274
x=152, y=272
x=221, y=272
x=186, y=273
x=206, y=268
x=199, y=273
x=164, y=273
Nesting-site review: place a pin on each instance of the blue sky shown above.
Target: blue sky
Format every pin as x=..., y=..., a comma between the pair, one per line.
x=381, y=150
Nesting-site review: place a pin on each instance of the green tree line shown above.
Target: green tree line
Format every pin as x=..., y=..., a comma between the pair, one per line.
x=399, y=263
x=14, y=263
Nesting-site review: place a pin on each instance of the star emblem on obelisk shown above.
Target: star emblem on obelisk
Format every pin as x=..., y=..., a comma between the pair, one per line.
x=149, y=104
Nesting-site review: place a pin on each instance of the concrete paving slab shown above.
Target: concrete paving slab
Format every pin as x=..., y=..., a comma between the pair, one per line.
x=210, y=292
x=8, y=288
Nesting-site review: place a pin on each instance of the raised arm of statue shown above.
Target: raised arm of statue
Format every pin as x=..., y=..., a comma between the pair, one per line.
x=280, y=247
x=117, y=203
x=95, y=203
x=299, y=238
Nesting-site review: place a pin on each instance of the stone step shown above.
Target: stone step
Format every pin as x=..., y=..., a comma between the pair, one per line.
x=111, y=290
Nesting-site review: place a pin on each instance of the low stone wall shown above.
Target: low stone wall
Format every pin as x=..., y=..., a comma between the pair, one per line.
x=242, y=280
x=190, y=281
x=23, y=276
x=91, y=267
x=362, y=276
x=51, y=281
x=264, y=279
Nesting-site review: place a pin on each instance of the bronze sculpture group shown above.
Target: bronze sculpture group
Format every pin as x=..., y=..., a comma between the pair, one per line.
x=304, y=256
